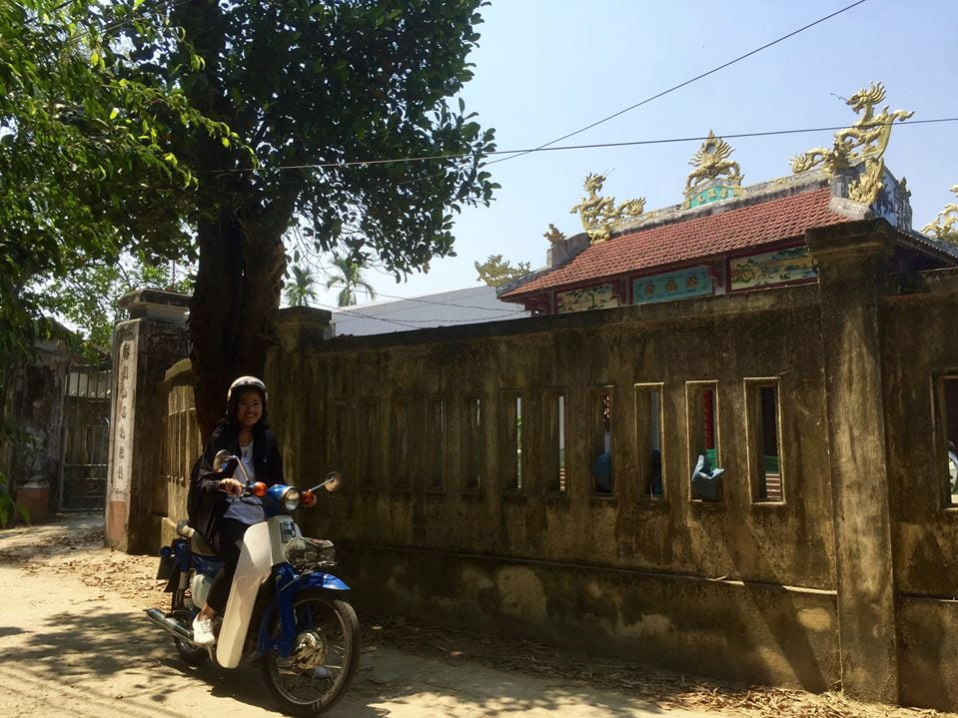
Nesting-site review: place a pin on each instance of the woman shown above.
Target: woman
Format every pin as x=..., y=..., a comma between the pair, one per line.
x=224, y=513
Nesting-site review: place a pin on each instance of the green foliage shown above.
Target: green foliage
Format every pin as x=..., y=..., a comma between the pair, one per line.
x=87, y=297
x=8, y=507
x=315, y=83
x=301, y=291
x=350, y=278
x=495, y=272
x=323, y=82
x=87, y=168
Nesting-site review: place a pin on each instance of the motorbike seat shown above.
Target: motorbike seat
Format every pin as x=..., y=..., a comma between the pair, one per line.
x=197, y=542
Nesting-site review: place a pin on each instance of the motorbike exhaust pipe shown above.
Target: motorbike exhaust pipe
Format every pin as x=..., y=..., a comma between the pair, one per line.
x=157, y=616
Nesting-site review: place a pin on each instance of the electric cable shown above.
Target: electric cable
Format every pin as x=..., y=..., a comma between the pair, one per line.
x=445, y=304
x=689, y=81
x=598, y=145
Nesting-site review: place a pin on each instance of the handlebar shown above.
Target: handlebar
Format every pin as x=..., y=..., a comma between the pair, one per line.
x=332, y=482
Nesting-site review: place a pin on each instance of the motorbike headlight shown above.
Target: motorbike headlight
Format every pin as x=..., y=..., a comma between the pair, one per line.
x=290, y=499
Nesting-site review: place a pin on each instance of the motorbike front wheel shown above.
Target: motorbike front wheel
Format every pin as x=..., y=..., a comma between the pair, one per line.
x=324, y=658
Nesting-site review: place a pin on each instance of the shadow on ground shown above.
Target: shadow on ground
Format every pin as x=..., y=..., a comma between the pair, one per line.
x=73, y=648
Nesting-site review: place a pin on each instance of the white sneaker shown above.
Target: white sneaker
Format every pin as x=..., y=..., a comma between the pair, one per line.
x=203, y=631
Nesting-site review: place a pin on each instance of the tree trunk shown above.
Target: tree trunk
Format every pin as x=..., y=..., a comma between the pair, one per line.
x=233, y=309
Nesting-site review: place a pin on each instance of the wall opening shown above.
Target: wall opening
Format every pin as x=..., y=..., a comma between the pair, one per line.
x=649, y=439
x=705, y=457
x=512, y=443
x=948, y=412
x=600, y=454
x=764, y=432
x=556, y=423
x=472, y=442
x=435, y=442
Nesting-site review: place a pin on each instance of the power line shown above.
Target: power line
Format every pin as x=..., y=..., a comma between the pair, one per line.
x=687, y=82
x=629, y=143
x=322, y=268
x=368, y=316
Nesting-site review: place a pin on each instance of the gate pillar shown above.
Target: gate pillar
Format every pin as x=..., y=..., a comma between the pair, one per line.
x=147, y=344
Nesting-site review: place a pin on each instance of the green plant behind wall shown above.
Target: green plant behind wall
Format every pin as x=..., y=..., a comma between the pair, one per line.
x=8, y=507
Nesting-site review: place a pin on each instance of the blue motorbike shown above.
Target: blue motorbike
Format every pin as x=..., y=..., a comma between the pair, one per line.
x=286, y=612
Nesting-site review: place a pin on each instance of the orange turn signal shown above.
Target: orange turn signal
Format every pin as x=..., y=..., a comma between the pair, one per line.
x=258, y=489
x=307, y=499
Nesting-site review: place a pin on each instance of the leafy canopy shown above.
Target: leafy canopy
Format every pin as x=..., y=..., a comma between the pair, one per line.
x=313, y=86
x=323, y=83
x=86, y=163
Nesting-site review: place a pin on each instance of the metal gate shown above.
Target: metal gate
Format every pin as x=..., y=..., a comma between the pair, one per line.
x=86, y=441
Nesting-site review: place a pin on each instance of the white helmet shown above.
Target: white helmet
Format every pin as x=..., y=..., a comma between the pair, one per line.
x=247, y=381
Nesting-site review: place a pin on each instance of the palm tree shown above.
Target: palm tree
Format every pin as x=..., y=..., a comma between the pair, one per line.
x=351, y=278
x=301, y=291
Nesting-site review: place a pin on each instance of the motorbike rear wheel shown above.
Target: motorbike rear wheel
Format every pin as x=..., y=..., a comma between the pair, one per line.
x=325, y=655
x=191, y=655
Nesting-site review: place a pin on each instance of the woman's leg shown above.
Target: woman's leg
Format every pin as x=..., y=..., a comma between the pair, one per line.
x=227, y=543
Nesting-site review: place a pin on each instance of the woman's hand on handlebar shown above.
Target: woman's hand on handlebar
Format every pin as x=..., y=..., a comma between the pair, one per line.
x=231, y=486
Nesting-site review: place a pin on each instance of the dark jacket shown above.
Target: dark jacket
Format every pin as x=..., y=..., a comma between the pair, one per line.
x=213, y=502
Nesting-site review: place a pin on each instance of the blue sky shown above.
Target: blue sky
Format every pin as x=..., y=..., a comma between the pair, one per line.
x=545, y=68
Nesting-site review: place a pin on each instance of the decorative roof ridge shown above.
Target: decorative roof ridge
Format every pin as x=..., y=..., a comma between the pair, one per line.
x=938, y=245
x=760, y=193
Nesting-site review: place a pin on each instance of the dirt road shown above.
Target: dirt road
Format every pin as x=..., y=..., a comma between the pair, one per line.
x=74, y=642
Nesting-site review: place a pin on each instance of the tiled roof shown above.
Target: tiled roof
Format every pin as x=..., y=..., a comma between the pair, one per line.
x=695, y=239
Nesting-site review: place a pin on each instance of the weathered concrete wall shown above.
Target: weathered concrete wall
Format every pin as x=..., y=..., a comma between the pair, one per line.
x=850, y=260
x=144, y=347
x=183, y=445
x=407, y=542
x=849, y=580
x=920, y=345
x=752, y=632
x=34, y=403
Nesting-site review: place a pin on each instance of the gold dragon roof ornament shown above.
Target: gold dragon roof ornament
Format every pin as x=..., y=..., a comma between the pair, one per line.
x=715, y=176
x=599, y=215
x=945, y=226
x=863, y=143
x=554, y=235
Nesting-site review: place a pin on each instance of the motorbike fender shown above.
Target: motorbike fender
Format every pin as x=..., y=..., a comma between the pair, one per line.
x=254, y=567
x=283, y=603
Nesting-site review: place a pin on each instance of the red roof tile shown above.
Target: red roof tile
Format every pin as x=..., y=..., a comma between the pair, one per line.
x=695, y=239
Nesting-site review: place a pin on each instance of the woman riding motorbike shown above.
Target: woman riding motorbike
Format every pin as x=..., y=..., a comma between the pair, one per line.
x=224, y=512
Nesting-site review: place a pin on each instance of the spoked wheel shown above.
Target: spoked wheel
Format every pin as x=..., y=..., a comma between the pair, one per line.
x=324, y=659
x=192, y=655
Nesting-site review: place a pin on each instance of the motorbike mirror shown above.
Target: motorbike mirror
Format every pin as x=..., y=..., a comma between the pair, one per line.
x=333, y=482
x=222, y=456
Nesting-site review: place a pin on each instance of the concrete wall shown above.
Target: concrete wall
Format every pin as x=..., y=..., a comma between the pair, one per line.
x=736, y=588
x=920, y=332
x=33, y=403
x=144, y=347
x=848, y=581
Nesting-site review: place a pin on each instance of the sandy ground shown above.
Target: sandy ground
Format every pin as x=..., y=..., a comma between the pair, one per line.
x=74, y=642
